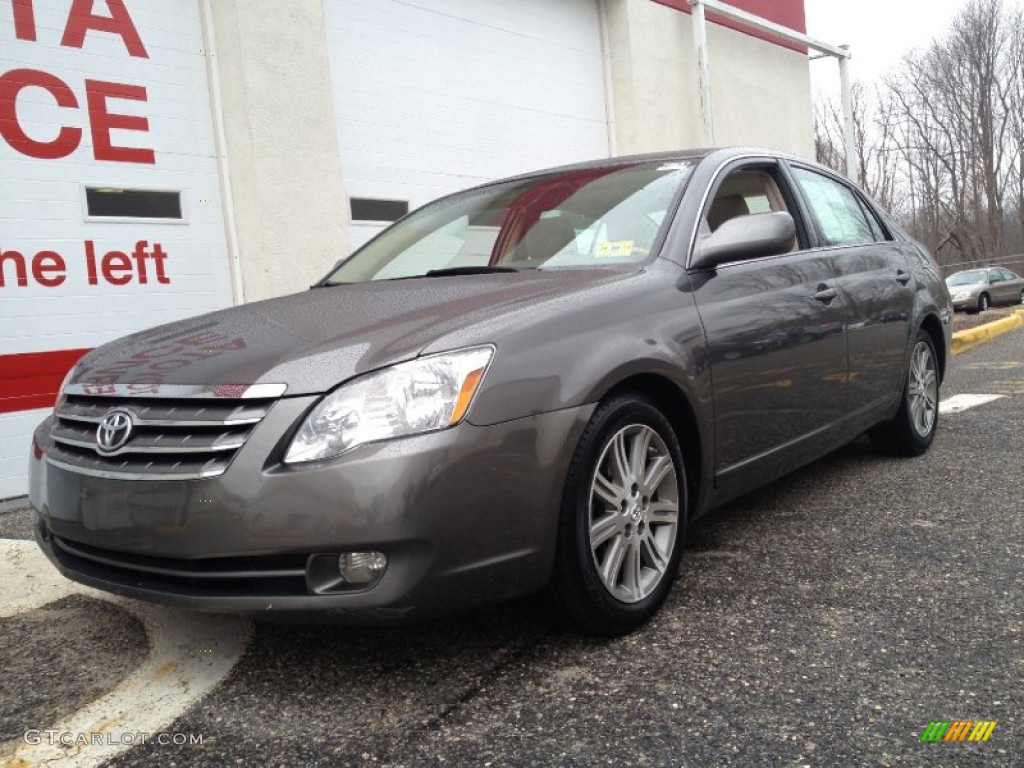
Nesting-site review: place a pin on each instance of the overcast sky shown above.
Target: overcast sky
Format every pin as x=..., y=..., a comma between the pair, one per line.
x=878, y=32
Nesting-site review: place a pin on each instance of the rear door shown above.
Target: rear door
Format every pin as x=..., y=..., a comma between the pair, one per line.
x=1016, y=292
x=1007, y=289
x=774, y=330
x=875, y=282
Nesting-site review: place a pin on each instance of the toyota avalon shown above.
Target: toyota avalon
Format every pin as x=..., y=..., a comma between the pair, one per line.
x=536, y=384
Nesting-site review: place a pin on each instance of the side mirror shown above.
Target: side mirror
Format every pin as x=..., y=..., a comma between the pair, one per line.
x=746, y=237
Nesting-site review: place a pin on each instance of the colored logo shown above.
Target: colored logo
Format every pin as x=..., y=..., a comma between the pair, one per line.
x=114, y=431
x=958, y=730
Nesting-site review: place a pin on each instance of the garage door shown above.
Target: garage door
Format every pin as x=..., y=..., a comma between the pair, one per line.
x=110, y=218
x=432, y=96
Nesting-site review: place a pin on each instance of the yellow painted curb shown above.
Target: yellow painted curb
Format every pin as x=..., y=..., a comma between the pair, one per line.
x=964, y=340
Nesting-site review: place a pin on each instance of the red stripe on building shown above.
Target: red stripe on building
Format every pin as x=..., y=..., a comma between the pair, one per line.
x=31, y=380
x=788, y=13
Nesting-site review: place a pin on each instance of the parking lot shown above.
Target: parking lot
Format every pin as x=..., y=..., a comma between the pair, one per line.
x=824, y=621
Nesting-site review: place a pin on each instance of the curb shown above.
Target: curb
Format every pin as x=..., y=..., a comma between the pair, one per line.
x=964, y=340
x=13, y=504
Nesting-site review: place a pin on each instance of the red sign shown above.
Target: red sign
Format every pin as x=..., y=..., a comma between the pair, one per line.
x=787, y=13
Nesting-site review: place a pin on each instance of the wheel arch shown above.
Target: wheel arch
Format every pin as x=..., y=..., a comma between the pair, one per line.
x=675, y=404
x=933, y=327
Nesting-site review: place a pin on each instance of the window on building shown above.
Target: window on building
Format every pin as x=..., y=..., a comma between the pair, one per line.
x=111, y=202
x=367, y=209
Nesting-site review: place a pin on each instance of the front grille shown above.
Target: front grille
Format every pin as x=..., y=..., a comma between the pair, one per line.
x=263, y=576
x=172, y=437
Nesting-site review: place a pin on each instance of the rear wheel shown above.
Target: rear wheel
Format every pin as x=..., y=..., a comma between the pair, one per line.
x=622, y=519
x=911, y=431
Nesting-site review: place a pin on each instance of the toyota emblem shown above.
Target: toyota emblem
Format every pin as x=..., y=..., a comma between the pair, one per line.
x=114, y=431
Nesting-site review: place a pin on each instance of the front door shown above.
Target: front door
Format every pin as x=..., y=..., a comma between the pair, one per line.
x=775, y=337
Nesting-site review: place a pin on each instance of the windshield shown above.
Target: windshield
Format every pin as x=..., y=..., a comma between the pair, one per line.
x=968, y=278
x=583, y=218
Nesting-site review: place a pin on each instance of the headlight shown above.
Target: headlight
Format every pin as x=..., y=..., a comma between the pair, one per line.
x=423, y=395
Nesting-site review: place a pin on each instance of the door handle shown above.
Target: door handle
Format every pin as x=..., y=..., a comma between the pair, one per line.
x=902, y=276
x=825, y=294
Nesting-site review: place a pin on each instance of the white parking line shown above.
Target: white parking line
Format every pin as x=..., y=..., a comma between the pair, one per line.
x=960, y=403
x=189, y=655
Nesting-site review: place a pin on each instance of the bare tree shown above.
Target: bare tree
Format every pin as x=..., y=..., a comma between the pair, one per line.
x=941, y=142
x=875, y=154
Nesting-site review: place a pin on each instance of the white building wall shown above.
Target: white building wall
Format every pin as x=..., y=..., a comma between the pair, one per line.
x=761, y=92
x=286, y=176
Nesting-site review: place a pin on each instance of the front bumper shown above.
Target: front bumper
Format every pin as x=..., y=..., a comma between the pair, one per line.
x=466, y=516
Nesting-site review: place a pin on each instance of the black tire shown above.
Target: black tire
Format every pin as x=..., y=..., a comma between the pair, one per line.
x=1021, y=301
x=911, y=432
x=984, y=302
x=596, y=603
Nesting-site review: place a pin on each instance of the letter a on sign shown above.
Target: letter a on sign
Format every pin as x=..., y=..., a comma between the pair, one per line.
x=81, y=19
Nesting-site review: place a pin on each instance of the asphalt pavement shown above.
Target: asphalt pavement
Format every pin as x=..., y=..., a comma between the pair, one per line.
x=823, y=621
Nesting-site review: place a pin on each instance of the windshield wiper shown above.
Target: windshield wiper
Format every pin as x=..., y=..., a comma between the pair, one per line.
x=456, y=270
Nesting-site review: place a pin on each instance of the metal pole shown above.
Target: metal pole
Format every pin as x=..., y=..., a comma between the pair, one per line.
x=609, y=93
x=220, y=135
x=700, y=43
x=773, y=29
x=849, y=138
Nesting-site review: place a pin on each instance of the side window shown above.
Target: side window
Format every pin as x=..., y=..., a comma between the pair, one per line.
x=840, y=217
x=877, y=227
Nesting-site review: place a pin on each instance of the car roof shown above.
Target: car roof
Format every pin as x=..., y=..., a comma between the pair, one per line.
x=721, y=154
x=972, y=269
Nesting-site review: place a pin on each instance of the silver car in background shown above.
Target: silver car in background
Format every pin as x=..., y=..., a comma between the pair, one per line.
x=975, y=290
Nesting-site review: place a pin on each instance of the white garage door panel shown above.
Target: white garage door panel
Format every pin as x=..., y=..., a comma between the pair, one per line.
x=481, y=139
x=42, y=201
x=431, y=97
x=16, y=429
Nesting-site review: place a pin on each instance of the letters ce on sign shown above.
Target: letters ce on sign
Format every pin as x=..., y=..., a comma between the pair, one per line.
x=81, y=21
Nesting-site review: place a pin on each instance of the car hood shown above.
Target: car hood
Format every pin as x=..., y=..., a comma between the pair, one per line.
x=314, y=340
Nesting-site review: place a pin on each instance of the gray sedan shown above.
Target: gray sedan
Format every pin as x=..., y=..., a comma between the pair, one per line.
x=537, y=384
x=975, y=290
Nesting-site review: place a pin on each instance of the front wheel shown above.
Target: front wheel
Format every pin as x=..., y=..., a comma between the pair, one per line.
x=983, y=302
x=622, y=518
x=911, y=431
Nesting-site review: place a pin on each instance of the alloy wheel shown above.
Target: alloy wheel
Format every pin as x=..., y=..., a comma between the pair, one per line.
x=923, y=389
x=634, y=513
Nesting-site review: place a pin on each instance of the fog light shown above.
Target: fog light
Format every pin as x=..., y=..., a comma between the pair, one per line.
x=362, y=568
